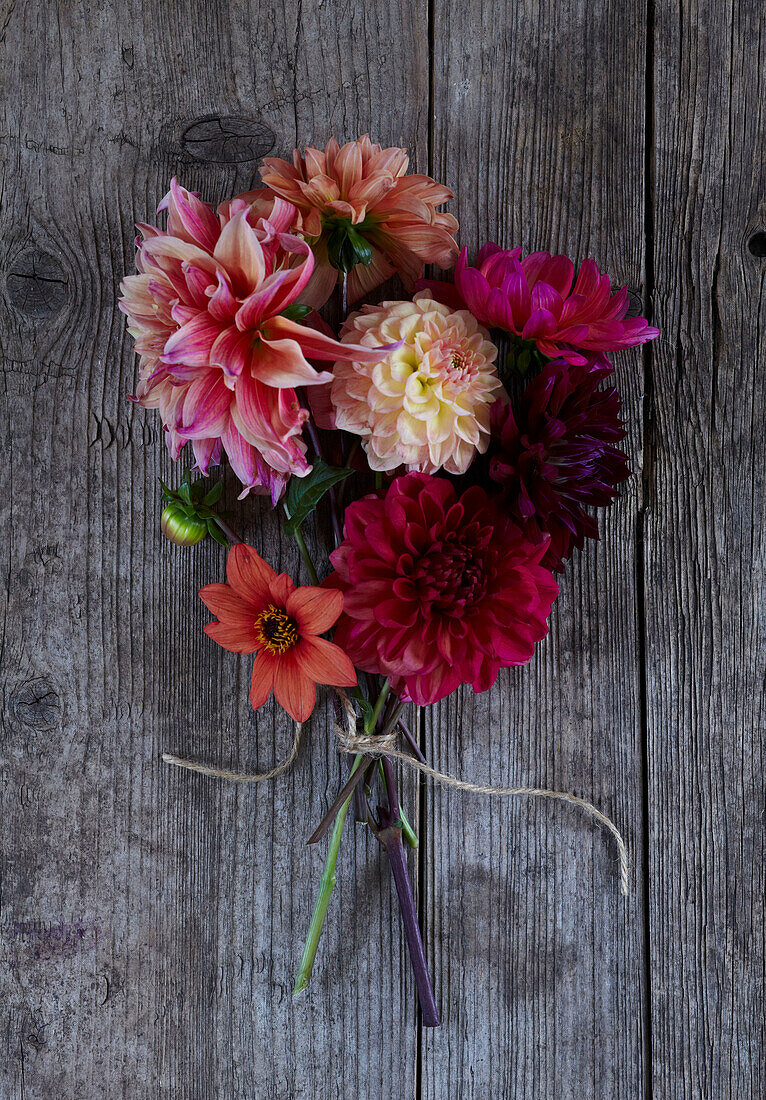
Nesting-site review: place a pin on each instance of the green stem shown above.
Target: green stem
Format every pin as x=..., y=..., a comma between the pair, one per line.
x=327, y=881
x=408, y=832
x=306, y=557
x=378, y=707
x=326, y=886
x=304, y=551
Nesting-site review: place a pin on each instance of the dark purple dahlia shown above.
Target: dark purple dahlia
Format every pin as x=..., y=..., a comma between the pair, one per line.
x=556, y=454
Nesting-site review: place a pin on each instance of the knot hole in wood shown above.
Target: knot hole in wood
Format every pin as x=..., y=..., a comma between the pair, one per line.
x=227, y=139
x=35, y=704
x=36, y=284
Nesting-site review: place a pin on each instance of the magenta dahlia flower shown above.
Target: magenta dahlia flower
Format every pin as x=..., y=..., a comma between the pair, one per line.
x=534, y=299
x=555, y=454
x=219, y=357
x=438, y=589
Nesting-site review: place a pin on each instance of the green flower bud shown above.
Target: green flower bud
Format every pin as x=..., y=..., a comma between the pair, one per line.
x=180, y=527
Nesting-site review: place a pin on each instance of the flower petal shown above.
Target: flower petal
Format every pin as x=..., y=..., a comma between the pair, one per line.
x=207, y=453
x=314, y=609
x=280, y=589
x=232, y=351
x=315, y=345
x=192, y=342
x=189, y=218
x=264, y=669
x=281, y=363
x=239, y=251
x=230, y=637
x=205, y=410
x=224, y=602
x=325, y=663
x=249, y=575
x=293, y=689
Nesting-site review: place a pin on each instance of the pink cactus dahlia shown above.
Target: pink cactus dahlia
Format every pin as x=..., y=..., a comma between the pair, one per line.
x=438, y=589
x=534, y=299
x=218, y=356
x=363, y=214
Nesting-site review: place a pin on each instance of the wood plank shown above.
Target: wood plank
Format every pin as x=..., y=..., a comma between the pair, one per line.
x=705, y=586
x=539, y=127
x=152, y=921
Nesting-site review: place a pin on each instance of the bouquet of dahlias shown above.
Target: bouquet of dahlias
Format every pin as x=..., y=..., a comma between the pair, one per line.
x=458, y=436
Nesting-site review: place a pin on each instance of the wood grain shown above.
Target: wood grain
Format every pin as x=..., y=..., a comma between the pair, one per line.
x=152, y=921
x=537, y=958
x=705, y=553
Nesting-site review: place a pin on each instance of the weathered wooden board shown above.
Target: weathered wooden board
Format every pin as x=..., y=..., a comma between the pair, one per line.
x=539, y=128
x=152, y=921
x=704, y=574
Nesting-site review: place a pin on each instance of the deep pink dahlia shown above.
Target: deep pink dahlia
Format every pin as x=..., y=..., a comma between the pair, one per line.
x=555, y=454
x=533, y=299
x=439, y=589
x=220, y=356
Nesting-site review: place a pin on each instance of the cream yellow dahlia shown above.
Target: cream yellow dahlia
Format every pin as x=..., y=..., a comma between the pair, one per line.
x=425, y=404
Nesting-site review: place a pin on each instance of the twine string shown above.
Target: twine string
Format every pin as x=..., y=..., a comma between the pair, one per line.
x=238, y=777
x=351, y=742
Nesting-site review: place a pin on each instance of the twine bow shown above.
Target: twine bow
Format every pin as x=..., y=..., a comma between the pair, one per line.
x=350, y=741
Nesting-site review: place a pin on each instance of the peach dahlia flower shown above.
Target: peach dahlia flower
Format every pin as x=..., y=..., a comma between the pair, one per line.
x=426, y=403
x=364, y=187
x=218, y=357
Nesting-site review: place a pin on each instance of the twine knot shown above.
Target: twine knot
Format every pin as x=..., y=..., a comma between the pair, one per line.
x=350, y=741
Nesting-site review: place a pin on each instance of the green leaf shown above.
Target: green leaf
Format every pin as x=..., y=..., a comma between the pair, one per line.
x=214, y=495
x=304, y=493
x=167, y=494
x=522, y=359
x=361, y=247
x=296, y=312
x=346, y=247
x=216, y=533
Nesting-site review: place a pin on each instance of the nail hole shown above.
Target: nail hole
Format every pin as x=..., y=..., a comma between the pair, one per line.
x=757, y=243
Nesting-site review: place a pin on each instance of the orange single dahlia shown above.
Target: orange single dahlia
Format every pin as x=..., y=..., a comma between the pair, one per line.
x=363, y=214
x=264, y=613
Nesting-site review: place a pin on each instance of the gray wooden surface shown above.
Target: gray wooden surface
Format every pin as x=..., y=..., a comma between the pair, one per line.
x=151, y=921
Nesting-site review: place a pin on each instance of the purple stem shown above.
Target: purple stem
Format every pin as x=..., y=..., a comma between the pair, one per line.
x=230, y=534
x=390, y=836
x=412, y=742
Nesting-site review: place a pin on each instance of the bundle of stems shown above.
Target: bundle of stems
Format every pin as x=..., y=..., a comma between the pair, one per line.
x=389, y=824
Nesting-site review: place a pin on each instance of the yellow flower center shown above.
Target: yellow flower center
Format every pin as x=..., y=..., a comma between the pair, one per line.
x=275, y=630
